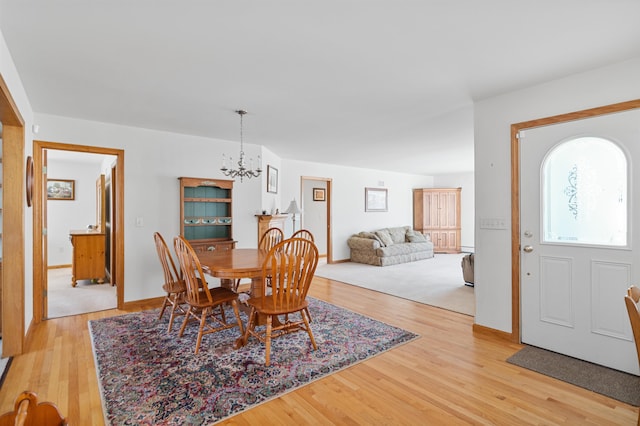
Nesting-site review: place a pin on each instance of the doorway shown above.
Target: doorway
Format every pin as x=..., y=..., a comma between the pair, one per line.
x=315, y=196
x=74, y=227
x=41, y=255
x=603, y=321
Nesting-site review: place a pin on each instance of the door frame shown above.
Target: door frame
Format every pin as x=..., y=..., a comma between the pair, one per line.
x=39, y=265
x=515, y=192
x=13, y=226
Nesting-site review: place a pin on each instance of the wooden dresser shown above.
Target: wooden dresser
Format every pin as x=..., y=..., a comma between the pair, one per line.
x=88, y=260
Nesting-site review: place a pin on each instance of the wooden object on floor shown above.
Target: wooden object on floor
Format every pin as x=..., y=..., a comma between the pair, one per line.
x=266, y=221
x=206, y=218
x=28, y=412
x=289, y=269
x=88, y=260
x=173, y=285
x=202, y=301
x=436, y=213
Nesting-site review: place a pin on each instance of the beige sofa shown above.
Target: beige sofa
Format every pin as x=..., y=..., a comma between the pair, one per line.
x=389, y=246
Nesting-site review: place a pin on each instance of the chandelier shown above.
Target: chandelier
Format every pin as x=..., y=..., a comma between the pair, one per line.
x=242, y=171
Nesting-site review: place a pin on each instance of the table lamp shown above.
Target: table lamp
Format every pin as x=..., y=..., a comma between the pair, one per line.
x=294, y=210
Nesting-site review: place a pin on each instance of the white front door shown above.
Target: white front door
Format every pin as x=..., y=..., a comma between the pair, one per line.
x=578, y=239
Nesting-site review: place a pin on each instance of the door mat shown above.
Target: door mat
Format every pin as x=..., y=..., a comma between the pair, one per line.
x=606, y=381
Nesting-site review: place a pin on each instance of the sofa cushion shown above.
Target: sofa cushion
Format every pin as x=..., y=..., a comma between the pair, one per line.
x=385, y=237
x=416, y=237
x=403, y=249
x=398, y=234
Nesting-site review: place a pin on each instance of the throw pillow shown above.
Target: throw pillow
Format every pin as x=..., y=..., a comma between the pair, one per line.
x=370, y=235
x=384, y=236
x=398, y=234
x=416, y=237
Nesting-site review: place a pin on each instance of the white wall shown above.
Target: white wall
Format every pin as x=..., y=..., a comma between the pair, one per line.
x=347, y=199
x=493, y=118
x=467, y=204
x=65, y=215
x=154, y=160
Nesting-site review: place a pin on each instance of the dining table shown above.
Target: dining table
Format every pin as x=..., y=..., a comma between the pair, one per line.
x=233, y=264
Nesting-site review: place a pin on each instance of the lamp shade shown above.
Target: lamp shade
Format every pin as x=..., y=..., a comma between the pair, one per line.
x=293, y=208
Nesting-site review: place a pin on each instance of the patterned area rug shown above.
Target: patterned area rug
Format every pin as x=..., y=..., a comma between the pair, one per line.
x=149, y=376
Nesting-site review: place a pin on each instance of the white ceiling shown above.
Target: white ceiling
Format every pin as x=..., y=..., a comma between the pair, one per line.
x=383, y=84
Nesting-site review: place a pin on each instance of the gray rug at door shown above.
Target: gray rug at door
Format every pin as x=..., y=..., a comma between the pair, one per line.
x=615, y=384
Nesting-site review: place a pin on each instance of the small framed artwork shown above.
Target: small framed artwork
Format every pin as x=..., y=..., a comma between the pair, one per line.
x=375, y=200
x=61, y=189
x=272, y=179
x=319, y=194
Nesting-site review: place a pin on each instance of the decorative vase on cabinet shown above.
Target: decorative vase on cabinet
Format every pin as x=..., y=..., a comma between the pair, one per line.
x=436, y=213
x=206, y=213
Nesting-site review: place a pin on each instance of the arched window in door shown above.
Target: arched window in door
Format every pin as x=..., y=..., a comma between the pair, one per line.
x=584, y=193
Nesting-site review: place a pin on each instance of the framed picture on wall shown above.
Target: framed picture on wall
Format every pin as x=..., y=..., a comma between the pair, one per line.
x=319, y=194
x=272, y=179
x=375, y=200
x=61, y=189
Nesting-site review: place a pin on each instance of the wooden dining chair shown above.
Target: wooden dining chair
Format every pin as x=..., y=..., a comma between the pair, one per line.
x=290, y=266
x=631, y=301
x=204, y=305
x=303, y=233
x=270, y=238
x=27, y=411
x=174, y=285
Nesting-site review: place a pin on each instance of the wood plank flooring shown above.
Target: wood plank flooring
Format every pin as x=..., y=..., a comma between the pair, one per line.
x=448, y=376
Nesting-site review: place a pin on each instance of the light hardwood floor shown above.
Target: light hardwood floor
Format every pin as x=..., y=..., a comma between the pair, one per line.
x=448, y=376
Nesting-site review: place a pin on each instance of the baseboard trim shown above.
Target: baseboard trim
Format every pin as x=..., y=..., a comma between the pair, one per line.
x=143, y=303
x=58, y=266
x=341, y=261
x=488, y=331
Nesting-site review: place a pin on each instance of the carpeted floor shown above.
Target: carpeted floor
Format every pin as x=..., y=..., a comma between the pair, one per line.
x=149, y=376
x=86, y=296
x=437, y=281
x=605, y=381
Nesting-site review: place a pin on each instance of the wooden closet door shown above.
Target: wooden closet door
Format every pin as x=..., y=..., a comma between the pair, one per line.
x=437, y=215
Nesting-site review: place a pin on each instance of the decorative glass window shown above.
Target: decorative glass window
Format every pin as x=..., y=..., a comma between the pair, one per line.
x=584, y=193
